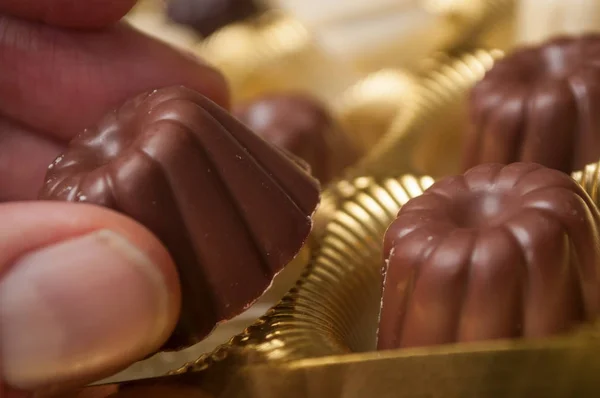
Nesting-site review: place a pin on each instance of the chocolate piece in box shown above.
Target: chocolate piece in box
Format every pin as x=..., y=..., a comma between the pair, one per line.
x=302, y=126
x=540, y=104
x=207, y=16
x=499, y=252
x=231, y=209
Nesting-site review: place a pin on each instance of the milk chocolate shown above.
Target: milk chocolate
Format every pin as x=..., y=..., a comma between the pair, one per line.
x=232, y=209
x=540, y=104
x=302, y=126
x=499, y=252
x=207, y=16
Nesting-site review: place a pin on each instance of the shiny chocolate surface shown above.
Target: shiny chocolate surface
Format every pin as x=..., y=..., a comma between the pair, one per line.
x=499, y=252
x=539, y=104
x=302, y=126
x=231, y=209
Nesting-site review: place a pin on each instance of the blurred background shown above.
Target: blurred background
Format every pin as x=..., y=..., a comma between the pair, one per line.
x=335, y=42
x=361, y=57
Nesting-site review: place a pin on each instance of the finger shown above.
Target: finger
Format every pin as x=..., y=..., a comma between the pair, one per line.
x=61, y=82
x=69, y=13
x=24, y=159
x=84, y=292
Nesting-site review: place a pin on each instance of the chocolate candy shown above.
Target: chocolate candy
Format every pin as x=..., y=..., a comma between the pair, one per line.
x=231, y=209
x=499, y=252
x=302, y=126
x=207, y=16
x=540, y=104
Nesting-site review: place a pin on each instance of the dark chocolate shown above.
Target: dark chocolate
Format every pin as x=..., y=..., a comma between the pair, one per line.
x=540, y=104
x=302, y=126
x=231, y=209
x=207, y=16
x=499, y=252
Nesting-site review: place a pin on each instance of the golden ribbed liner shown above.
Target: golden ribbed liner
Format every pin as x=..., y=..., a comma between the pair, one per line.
x=483, y=22
x=445, y=25
x=367, y=109
x=589, y=179
x=425, y=138
x=334, y=307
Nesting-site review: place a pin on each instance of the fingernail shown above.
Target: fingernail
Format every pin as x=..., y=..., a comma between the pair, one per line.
x=79, y=308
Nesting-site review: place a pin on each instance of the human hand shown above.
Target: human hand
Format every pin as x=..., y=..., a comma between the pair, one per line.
x=84, y=291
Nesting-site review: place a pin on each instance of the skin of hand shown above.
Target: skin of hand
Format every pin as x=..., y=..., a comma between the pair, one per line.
x=84, y=292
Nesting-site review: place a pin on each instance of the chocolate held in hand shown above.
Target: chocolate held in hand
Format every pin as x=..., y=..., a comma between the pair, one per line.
x=499, y=252
x=302, y=126
x=207, y=16
x=232, y=209
x=540, y=104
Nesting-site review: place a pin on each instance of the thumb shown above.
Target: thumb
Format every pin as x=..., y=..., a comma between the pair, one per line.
x=84, y=292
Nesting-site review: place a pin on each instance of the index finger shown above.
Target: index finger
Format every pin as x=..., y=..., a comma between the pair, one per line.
x=69, y=13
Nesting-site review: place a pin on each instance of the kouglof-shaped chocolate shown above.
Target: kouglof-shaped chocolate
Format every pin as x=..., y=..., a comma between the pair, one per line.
x=232, y=209
x=539, y=104
x=499, y=252
x=207, y=16
x=302, y=126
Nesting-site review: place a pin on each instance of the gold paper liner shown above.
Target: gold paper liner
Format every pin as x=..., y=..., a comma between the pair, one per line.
x=454, y=24
x=589, y=179
x=334, y=307
x=425, y=137
x=273, y=52
x=488, y=23
x=367, y=109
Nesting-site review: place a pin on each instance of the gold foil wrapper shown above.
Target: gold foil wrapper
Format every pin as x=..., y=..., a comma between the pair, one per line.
x=589, y=179
x=425, y=115
x=399, y=35
x=426, y=136
x=367, y=109
x=273, y=52
x=486, y=23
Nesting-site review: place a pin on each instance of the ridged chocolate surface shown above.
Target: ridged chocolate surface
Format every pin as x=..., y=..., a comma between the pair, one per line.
x=207, y=16
x=302, y=126
x=499, y=252
x=540, y=104
x=231, y=208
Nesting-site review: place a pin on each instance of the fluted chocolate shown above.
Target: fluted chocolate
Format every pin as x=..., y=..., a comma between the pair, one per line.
x=540, y=104
x=231, y=209
x=302, y=126
x=207, y=16
x=499, y=252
